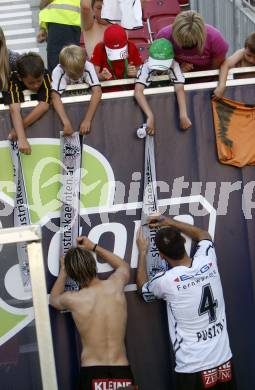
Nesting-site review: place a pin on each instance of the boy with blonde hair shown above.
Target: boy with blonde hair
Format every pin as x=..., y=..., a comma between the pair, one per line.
x=241, y=58
x=74, y=69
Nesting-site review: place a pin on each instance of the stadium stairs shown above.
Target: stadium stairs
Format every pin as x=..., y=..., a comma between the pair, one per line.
x=19, y=21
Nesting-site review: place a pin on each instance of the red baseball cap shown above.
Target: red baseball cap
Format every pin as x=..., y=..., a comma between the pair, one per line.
x=115, y=40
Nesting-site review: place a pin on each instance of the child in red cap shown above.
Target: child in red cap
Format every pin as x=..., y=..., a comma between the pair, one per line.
x=116, y=57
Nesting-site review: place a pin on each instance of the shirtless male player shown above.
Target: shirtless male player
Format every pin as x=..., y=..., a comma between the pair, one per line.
x=99, y=310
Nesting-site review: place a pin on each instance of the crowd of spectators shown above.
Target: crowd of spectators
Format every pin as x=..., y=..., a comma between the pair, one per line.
x=83, y=47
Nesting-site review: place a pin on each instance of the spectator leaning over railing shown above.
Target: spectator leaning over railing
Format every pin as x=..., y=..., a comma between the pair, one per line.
x=75, y=69
x=116, y=57
x=59, y=22
x=197, y=46
x=241, y=58
x=161, y=61
x=92, y=25
x=8, y=59
x=30, y=75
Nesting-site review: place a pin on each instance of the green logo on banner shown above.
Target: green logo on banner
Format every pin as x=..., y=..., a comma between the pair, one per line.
x=43, y=180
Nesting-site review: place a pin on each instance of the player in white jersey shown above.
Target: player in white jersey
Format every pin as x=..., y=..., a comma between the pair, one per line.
x=195, y=305
x=126, y=12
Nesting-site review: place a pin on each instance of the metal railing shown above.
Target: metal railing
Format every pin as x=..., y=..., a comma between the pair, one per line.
x=232, y=80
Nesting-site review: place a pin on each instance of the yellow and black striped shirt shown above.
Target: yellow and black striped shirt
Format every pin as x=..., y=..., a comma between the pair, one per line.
x=16, y=88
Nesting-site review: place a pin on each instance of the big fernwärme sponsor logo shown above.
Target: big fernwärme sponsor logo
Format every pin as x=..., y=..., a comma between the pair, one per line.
x=186, y=281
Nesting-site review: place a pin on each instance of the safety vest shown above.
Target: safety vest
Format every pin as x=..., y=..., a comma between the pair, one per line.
x=61, y=12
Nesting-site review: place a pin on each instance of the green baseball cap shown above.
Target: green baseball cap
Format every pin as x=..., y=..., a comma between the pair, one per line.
x=161, y=54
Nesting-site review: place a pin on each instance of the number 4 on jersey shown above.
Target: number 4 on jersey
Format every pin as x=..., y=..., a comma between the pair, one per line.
x=207, y=303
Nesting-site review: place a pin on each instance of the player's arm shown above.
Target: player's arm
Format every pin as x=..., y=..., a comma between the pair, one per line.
x=195, y=233
x=94, y=101
x=122, y=269
x=185, y=122
x=58, y=296
x=142, y=245
x=229, y=63
x=143, y=103
x=87, y=17
x=59, y=108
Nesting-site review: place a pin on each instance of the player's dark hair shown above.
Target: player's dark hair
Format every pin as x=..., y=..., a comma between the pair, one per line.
x=250, y=43
x=30, y=64
x=170, y=242
x=80, y=266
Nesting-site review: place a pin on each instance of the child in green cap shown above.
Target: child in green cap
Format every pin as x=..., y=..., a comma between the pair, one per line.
x=161, y=61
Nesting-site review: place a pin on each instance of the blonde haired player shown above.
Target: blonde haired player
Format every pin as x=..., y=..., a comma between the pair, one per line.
x=99, y=310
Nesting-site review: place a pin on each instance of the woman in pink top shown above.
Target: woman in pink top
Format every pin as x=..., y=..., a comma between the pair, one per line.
x=197, y=46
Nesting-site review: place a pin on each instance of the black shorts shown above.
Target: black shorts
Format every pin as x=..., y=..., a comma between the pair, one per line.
x=220, y=378
x=105, y=377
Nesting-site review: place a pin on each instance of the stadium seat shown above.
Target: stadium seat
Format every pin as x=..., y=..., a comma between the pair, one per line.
x=160, y=7
x=143, y=50
x=141, y=34
x=158, y=22
x=138, y=41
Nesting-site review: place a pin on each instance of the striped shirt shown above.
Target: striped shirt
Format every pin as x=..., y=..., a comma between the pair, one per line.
x=16, y=87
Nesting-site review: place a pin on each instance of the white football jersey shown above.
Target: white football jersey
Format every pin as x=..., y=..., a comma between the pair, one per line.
x=128, y=13
x=60, y=79
x=196, y=311
x=174, y=73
